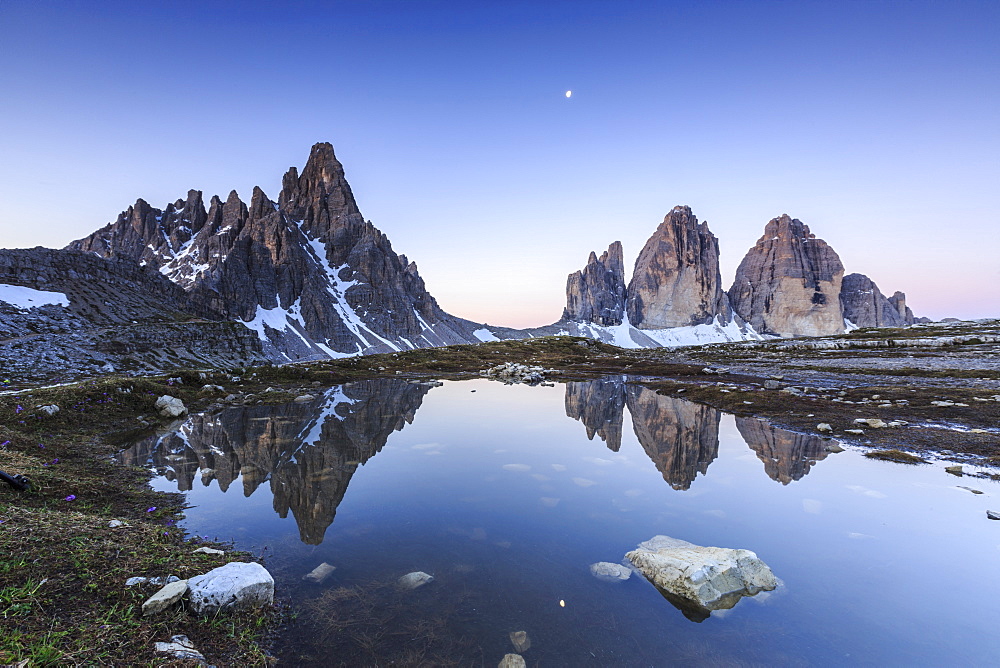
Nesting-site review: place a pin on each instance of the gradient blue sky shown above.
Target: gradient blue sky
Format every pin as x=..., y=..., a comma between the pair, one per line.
x=876, y=123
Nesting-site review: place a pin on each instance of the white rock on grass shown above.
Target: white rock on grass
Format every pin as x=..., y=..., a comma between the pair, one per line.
x=50, y=409
x=874, y=423
x=414, y=580
x=164, y=598
x=180, y=647
x=712, y=578
x=303, y=398
x=170, y=407
x=824, y=428
x=208, y=550
x=234, y=586
x=609, y=572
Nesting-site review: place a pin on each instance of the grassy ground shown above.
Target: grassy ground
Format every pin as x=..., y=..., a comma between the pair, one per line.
x=62, y=594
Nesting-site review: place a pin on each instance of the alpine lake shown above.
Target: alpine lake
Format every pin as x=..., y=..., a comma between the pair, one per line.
x=506, y=494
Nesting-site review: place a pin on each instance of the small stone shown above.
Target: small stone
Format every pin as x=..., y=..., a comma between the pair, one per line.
x=320, y=573
x=131, y=582
x=212, y=388
x=520, y=640
x=942, y=403
x=164, y=598
x=955, y=470
x=969, y=489
x=897, y=423
x=114, y=524
x=874, y=423
x=50, y=409
x=834, y=448
x=180, y=647
x=854, y=431
x=170, y=407
x=209, y=550
x=772, y=385
x=978, y=431
x=414, y=580
x=993, y=515
x=512, y=661
x=824, y=428
x=303, y=398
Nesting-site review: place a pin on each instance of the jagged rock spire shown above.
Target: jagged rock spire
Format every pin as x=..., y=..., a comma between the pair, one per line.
x=597, y=292
x=676, y=281
x=789, y=283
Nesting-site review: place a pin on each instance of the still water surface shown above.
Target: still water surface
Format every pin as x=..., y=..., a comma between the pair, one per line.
x=506, y=495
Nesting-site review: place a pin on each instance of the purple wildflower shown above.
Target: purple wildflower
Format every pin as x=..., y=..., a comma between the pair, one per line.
x=71, y=497
x=149, y=510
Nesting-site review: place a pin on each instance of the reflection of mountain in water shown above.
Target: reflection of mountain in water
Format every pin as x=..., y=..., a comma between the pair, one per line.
x=598, y=405
x=681, y=437
x=309, y=450
x=787, y=456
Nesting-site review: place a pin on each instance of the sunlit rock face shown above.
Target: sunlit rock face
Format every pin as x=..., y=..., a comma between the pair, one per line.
x=787, y=456
x=308, y=451
x=789, y=283
x=676, y=281
x=599, y=405
x=898, y=301
x=596, y=293
x=681, y=437
x=866, y=306
x=309, y=267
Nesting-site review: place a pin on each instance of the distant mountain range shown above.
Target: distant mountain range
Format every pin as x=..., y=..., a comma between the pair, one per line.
x=307, y=277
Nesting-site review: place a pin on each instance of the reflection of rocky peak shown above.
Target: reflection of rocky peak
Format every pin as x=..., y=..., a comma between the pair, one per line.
x=787, y=456
x=866, y=306
x=598, y=405
x=676, y=281
x=308, y=451
x=597, y=292
x=681, y=437
x=788, y=284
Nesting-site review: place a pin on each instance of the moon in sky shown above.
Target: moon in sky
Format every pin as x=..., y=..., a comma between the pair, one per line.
x=569, y=93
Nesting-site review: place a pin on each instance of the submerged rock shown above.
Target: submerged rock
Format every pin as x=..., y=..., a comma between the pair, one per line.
x=609, y=572
x=512, y=661
x=234, y=586
x=320, y=573
x=520, y=640
x=414, y=580
x=993, y=515
x=701, y=579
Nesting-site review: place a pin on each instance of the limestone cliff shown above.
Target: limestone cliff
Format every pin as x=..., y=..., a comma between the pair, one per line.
x=676, y=281
x=789, y=283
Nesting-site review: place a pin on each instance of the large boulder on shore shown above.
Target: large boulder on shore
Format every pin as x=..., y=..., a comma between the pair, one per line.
x=701, y=579
x=235, y=586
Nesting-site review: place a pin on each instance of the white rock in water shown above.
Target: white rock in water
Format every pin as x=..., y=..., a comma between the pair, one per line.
x=320, y=573
x=609, y=572
x=414, y=580
x=512, y=661
x=171, y=407
x=164, y=598
x=712, y=578
x=231, y=587
x=180, y=647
